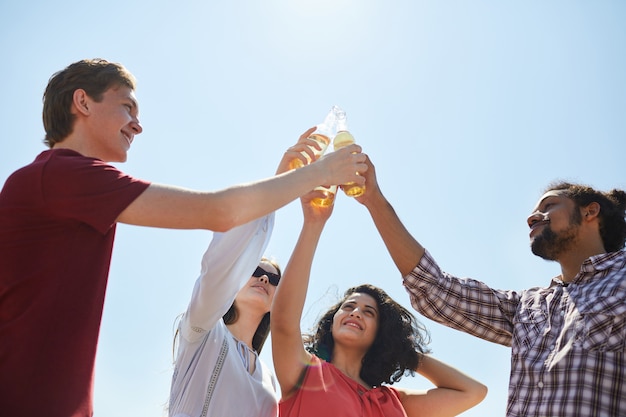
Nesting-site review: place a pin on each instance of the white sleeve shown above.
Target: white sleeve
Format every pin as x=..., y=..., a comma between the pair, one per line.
x=227, y=265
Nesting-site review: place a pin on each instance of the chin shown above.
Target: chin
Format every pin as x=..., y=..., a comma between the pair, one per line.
x=120, y=158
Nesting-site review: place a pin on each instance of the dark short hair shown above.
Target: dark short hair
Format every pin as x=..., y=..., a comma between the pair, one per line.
x=95, y=76
x=398, y=345
x=612, y=210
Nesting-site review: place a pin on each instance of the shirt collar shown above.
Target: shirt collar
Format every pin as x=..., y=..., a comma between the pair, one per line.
x=593, y=265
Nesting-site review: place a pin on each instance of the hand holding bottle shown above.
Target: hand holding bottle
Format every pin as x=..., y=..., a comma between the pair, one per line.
x=322, y=136
x=315, y=213
x=342, y=139
x=334, y=168
x=343, y=166
x=296, y=152
x=373, y=193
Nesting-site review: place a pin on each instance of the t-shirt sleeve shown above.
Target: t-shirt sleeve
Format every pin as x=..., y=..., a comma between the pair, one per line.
x=88, y=190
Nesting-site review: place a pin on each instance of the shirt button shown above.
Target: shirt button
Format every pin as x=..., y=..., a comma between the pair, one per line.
x=540, y=384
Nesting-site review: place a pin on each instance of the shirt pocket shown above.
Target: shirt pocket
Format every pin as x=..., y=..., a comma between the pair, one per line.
x=530, y=325
x=601, y=325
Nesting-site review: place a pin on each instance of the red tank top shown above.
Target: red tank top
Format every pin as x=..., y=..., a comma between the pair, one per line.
x=326, y=391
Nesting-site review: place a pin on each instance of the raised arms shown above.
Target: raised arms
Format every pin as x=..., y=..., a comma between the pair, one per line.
x=179, y=208
x=404, y=249
x=290, y=357
x=454, y=391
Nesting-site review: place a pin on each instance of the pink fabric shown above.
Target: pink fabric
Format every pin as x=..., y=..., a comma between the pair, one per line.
x=326, y=391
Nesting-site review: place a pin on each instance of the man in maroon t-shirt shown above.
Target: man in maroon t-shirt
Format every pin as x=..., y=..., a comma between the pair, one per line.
x=57, y=225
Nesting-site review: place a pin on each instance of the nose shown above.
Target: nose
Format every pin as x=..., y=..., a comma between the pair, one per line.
x=136, y=127
x=264, y=279
x=534, y=218
x=356, y=312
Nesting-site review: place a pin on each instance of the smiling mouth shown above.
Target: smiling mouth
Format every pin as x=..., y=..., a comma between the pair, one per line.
x=353, y=324
x=128, y=138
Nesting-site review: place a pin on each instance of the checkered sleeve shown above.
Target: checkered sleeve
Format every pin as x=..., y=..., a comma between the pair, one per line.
x=461, y=303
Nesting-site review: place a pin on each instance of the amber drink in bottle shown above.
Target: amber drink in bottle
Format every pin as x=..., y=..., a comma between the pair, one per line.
x=344, y=138
x=322, y=135
x=329, y=191
x=328, y=198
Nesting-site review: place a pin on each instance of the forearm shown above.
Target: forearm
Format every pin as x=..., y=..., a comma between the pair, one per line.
x=179, y=208
x=461, y=303
x=227, y=265
x=405, y=250
x=290, y=357
x=291, y=293
x=455, y=392
x=443, y=375
x=249, y=201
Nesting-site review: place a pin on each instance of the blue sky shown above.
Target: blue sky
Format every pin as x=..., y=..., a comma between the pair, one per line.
x=467, y=109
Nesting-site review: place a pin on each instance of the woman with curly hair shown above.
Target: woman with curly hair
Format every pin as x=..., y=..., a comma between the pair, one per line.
x=361, y=346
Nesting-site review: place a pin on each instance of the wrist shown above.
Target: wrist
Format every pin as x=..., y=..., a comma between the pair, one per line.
x=376, y=200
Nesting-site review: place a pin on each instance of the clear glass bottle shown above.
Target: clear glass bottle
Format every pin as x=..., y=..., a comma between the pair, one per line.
x=323, y=135
x=344, y=138
x=327, y=130
x=328, y=198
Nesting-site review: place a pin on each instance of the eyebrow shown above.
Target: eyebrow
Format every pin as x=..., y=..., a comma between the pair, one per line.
x=133, y=102
x=371, y=307
x=368, y=306
x=543, y=200
x=131, y=98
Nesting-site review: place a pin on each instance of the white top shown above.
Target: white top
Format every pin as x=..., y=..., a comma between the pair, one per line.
x=211, y=375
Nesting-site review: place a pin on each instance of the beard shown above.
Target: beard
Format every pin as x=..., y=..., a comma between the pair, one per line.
x=550, y=245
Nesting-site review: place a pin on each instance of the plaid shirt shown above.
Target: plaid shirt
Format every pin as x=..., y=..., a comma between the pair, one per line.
x=568, y=341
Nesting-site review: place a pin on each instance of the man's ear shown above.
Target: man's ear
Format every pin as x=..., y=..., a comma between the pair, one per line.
x=591, y=211
x=80, y=101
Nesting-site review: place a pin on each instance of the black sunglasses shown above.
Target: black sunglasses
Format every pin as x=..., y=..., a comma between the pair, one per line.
x=272, y=277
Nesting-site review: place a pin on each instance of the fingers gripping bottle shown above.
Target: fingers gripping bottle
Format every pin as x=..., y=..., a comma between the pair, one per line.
x=327, y=132
x=345, y=138
x=328, y=198
x=323, y=135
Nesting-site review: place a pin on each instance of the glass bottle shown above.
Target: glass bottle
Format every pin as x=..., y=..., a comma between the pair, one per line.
x=323, y=135
x=344, y=138
x=327, y=131
x=328, y=198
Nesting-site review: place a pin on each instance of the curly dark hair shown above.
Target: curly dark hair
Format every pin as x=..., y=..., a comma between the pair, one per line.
x=612, y=210
x=400, y=341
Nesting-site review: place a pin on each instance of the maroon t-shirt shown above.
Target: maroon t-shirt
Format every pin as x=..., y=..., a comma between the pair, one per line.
x=57, y=225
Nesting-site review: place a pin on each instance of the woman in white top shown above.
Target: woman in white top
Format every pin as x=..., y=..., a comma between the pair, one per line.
x=217, y=370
